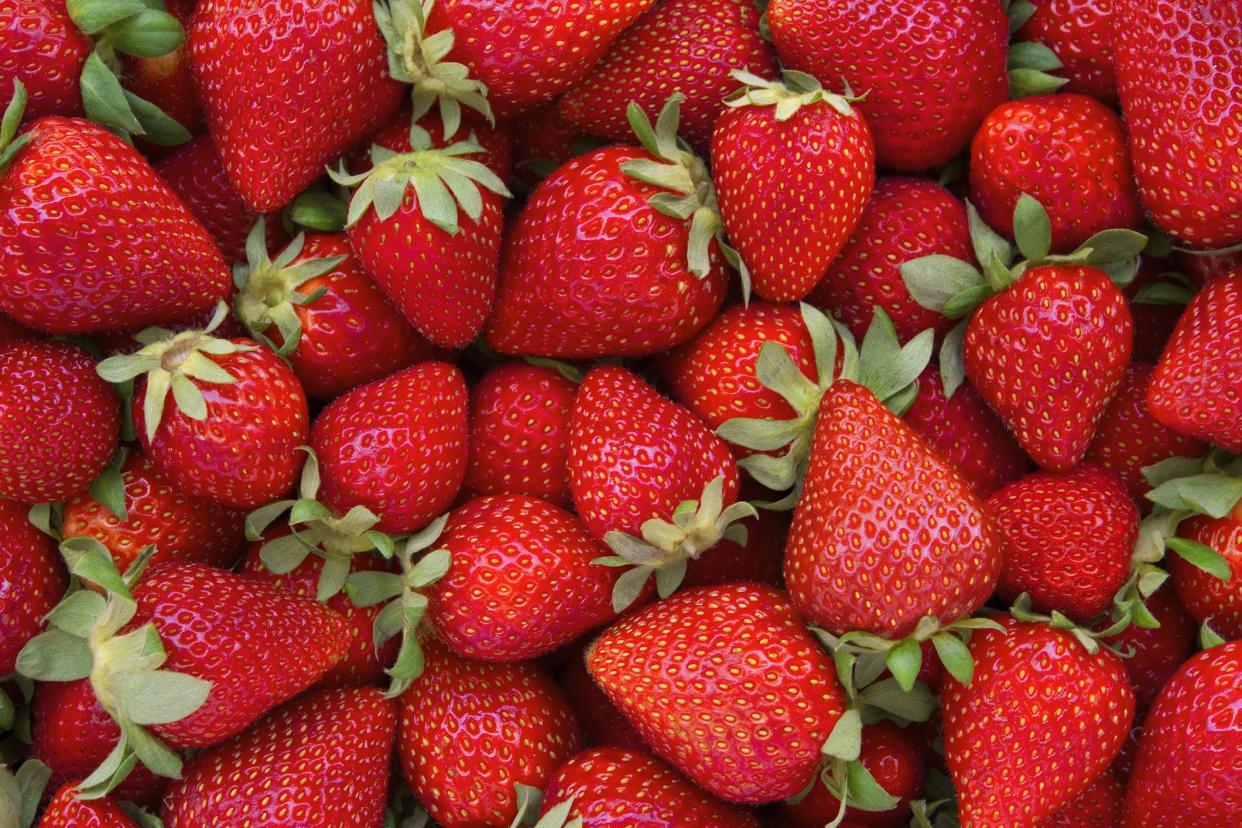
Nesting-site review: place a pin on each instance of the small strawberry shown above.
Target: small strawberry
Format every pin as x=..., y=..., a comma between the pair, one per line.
x=1155, y=653
x=1080, y=34
x=32, y=581
x=45, y=50
x=67, y=811
x=59, y=422
x=793, y=166
x=321, y=760
x=1099, y=806
x=744, y=647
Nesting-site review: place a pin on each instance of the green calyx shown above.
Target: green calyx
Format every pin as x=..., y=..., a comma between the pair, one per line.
x=419, y=60
x=267, y=289
x=84, y=640
x=403, y=599
x=529, y=803
x=316, y=530
x=667, y=546
x=882, y=364
x=173, y=362
x=442, y=180
x=794, y=91
x=10, y=142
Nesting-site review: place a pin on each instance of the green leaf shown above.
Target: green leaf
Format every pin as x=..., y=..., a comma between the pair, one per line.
x=933, y=280
x=103, y=98
x=1201, y=556
x=845, y=740
x=55, y=655
x=904, y=661
x=148, y=697
x=1032, y=229
x=955, y=656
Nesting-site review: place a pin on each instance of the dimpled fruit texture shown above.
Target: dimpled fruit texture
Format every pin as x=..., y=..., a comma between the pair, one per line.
x=32, y=581
x=41, y=47
x=743, y=647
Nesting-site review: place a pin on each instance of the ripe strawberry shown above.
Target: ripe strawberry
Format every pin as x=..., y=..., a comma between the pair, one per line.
x=32, y=581
x=1182, y=137
x=321, y=760
x=266, y=73
x=521, y=580
x=614, y=786
x=179, y=526
x=1156, y=653
x=142, y=258
x=1197, y=385
x=316, y=307
x=686, y=46
x=905, y=219
x=603, y=725
x=505, y=723
x=59, y=422
x=1042, y=719
x=1067, y=539
x=793, y=166
x=165, y=80
x=1207, y=597
x=1099, y=806
x=44, y=49
x=931, y=69
x=397, y=446
x=67, y=811
x=658, y=663
x=635, y=281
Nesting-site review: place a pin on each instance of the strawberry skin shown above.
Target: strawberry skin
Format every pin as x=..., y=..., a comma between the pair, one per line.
x=1206, y=597
x=67, y=811
x=42, y=48
x=931, y=69
x=321, y=760
x=1047, y=355
x=1080, y=34
x=398, y=446
x=886, y=532
x=142, y=257
x=1158, y=652
x=266, y=73
x=1038, y=724
x=32, y=581
x=613, y=786
x=743, y=647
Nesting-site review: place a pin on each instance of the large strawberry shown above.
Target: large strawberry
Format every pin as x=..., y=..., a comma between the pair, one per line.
x=743, y=647
x=793, y=166
x=643, y=272
x=930, y=69
x=59, y=422
x=321, y=760
x=286, y=89
x=32, y=581
x=45, y=51
x=1080, y=34
x=1176, y=66
x=1045, y=714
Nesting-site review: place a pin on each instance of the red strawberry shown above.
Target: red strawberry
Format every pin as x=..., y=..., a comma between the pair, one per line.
x=1156, y=653
x=1183, y=137
x=59, y=422
x=1067, y=538
x=1207, y=597
x=346, y=335
x=744, y=647
x=44, y=49
x=67, y=811
x=32, y=581
x=905, y=219
x=1080, y=34
x=635, y=281
x=1099, y=806
x=321, y=760
x=165, y=80
x=397, y=446
x=613, y=786
x=1197, y=386
x=603, y=725
x=1041, y=720
x=686, y=46
x=142, y=257
x=1190, y=757
x=471, y=730
x=931, y=69
x=285, y=89
x=519, y=432
x=793, y=166
x=521, y=581
x=1066, y=151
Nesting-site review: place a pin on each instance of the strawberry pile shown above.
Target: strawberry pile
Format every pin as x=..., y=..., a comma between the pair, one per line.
x=621, y=413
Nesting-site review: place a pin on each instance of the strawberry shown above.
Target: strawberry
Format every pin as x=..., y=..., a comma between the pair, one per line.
x=636, y=280
x=67, y=811
x=656, y=664
x=59, y=422
x=1208, y=597
x=397, y=446
x=321, y=760
x=931, y=69
x=603, y=725
x=905, y=219
x=519, y=432
x=793, y=166
x=32, y=581
x=226, y=392
x=1066, y=539
x=45, y=51
x=1099, y=806
x=1080, y=34
x=613, y=786
x=153, y=513
x=265, y=74
x=316, y=307
x=165, y=80
x=142, y=258
x=1042, y=719
x=471, y=730
x=686, y=46
x=1196, y=388
x=1182, y=137
x=1156, y=653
